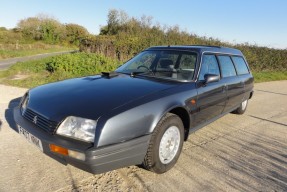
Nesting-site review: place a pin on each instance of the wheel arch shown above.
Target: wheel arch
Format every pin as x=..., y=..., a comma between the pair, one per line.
x=183, y=114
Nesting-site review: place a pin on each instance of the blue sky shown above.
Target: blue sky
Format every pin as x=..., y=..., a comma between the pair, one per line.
x=262, y=22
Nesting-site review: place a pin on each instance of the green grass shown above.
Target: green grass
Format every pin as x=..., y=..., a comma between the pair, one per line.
x=269, y=76
x=11, y=50
x=6, y=54
x=56, y=68
x=33, y=69
x=62, y=67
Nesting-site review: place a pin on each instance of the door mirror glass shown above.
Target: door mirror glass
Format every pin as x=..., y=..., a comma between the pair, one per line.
x=209, y=78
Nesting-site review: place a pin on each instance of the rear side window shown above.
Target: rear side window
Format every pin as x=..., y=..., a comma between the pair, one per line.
x=209, y=66
x=240, y=65
x=226, y=65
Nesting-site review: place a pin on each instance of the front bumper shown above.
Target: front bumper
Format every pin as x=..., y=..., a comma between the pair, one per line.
x=98, y=160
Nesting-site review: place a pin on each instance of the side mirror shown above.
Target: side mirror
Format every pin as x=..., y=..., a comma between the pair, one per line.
x=210, y=78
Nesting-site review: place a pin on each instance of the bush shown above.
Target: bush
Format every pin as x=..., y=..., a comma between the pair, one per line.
x=123, y=37
x=80, y=64
x=56, y=68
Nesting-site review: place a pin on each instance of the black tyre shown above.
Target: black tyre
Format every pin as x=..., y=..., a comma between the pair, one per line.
x=165, y=145
x=242, y=108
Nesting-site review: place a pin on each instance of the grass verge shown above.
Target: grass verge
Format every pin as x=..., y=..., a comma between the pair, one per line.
x=10, y=51
x=269, y=76
x=37, y=72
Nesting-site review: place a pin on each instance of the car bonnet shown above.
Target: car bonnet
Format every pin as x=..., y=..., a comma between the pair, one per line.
x=90, y=97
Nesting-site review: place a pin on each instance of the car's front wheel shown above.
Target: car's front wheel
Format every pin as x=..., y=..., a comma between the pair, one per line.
x=165, y=145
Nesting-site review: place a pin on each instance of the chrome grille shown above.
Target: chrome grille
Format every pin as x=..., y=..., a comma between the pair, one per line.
x=40, y=121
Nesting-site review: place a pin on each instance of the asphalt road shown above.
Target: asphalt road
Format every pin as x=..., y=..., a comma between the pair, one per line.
x=236, y=153
x=5, y=63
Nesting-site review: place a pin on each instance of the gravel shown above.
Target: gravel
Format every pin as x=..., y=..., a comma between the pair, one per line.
x=235, y=153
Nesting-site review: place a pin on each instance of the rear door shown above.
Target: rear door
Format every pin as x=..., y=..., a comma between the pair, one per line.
x=244, y=74
x=234, y=84
x=212, y=96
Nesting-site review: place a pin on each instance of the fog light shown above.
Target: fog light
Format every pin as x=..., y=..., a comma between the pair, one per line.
x=77, y=155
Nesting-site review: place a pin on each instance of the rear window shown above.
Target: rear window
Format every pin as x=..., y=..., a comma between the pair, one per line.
x=240, y=65
x=226, y=65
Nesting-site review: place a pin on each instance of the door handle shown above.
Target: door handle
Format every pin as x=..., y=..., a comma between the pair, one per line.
x=224, y=88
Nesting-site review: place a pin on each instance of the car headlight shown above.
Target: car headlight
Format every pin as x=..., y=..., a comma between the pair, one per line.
x=78, y=128
x=24, y=103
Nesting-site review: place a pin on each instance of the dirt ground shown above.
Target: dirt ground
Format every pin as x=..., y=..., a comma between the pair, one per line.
x=235, y=153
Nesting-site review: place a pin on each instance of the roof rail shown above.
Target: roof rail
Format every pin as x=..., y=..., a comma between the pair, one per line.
x=206, y=46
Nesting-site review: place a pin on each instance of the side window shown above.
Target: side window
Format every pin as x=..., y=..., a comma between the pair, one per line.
x=209, y=65
x=240, y=65
x=226, y=65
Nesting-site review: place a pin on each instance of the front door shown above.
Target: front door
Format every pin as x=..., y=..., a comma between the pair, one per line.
x=212, y=96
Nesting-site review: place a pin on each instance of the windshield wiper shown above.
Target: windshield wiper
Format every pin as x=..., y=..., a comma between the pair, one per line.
x=166, y=71
x=133, y=74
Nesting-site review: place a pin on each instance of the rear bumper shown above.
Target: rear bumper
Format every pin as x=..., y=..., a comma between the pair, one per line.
x=98, y=160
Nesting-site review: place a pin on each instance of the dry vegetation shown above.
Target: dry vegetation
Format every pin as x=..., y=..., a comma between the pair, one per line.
x=40, y=34
x=125, y=36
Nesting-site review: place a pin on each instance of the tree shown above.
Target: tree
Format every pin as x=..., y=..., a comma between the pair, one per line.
x=52, y=31
x=42, y=27
x=30, y=27
x=3, y=29
x=75, y=33
x=116, y=19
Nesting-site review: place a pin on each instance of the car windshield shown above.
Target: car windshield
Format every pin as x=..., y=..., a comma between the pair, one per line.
x=176, y=65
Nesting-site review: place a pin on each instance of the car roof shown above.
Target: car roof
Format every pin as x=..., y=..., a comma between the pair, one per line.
x=199, y=48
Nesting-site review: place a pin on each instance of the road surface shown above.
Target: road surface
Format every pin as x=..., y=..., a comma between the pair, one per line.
x=5, y=63
x=236, y=153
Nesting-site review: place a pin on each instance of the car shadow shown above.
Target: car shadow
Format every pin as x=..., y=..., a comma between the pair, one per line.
x=9, y=116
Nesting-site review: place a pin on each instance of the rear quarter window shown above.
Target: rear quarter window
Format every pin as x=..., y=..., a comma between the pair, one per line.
x=240, y=65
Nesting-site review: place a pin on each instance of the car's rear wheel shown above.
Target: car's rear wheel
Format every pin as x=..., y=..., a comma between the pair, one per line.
x=165, y=145
x=242, y=108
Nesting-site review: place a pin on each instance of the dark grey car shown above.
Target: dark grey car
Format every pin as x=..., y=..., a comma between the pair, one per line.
x=139, y=114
